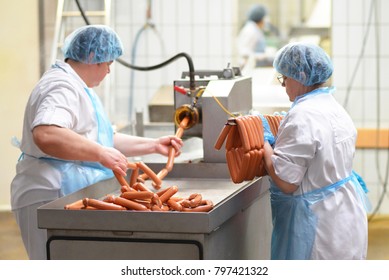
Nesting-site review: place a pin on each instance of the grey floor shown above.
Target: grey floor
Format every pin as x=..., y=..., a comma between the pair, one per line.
x=11, y=245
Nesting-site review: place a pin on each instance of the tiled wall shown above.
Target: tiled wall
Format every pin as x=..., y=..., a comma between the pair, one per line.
x=360, y=51
x=203, y=29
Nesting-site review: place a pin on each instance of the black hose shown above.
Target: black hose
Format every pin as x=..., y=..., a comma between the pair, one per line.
x=82, y=13
x=153, y=67
x=192, y=83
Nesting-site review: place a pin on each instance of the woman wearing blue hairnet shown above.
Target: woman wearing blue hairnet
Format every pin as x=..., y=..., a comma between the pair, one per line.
x=251, y=43
x=68, y=142
x=318, y=202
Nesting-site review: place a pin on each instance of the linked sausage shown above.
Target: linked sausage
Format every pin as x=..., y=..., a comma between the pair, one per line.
x=141, y=187
x=149, y=172
x=75, y=205
x=155, y=207
x=132, y=165
x=127, y=189
x=122, y=181
x=231, y=137
x=185, y=203
x=156, y=200
x=243, y=134
x=232, y=165
x=168, y=193
x=250, y=132
x=134, y=176
x=170, y=159
x=201, y=208
x=143, y=195
x=222, y=136
x=195, y=199
x=162, y=173
x=129, y=204
x=174, y=205
x=259, y=127
x=101, y=205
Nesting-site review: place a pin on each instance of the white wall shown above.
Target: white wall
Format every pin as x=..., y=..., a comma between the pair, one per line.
x=369, y=82
x=19, y=68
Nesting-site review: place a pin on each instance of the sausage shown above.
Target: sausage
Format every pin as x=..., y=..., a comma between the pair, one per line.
x=161, y=192
x=251, y=166
x=127, y=189
x=156, y=200
x=154, y=207
x=149, y=172
x=143, y=195
x=244, y=168
x=77, y=205
x=129, y=204
x=176, y=198
x=243, y=134
x=174, y=205
x=141, y=187
x=180, y=132
x=168, y=193
x=146, y=203
x=122, y=181
x=195, y=200
x=232, y=165
x=250, y=131
x=102, y=205
x=170, y=159
x=143, y=177
x=222, y=137
x=162, y=173
x=132, y=165
x=259, y=127
x=201, y=208
x=134, y=176
x=185, y=203
x=231, y=137
x=254, y=131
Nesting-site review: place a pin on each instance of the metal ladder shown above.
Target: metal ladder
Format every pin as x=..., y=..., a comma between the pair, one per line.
x=61, y=19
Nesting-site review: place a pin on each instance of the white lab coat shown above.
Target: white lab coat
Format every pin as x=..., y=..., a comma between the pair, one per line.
x=59, y=99
x=314, y=148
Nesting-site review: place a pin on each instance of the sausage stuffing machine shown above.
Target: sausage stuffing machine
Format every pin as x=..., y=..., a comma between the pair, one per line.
x=238, y=227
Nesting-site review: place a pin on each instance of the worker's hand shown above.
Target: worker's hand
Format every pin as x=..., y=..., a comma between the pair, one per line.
x=164, y=142
x=114, y=159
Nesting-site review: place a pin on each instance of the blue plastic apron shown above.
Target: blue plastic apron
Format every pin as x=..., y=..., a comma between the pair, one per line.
x=79, y=174
x=294, y=223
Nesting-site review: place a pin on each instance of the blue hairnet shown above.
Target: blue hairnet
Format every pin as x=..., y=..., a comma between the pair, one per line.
x=256, y=13
x=304, y=62
x=93, y=44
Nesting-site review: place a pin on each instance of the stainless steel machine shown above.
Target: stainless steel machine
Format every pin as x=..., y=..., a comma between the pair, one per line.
x=238, y=227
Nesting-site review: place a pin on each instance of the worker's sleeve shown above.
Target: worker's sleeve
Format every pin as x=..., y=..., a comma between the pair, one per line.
x=59, y=107
x=294, y=150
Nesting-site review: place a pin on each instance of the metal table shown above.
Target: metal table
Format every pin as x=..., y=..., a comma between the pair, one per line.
x=238, y=227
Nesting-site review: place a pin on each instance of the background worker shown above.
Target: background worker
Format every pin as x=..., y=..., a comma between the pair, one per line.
x=252, y=47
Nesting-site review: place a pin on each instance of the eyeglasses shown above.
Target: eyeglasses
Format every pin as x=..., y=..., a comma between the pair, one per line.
x=281, y=79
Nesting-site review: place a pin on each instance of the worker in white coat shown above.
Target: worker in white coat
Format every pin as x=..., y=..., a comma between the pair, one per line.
x=318, y=202
x=68, y=142
x=252, y=47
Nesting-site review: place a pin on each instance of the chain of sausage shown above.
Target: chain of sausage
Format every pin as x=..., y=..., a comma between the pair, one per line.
x=134, y=195
x=244, y=136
